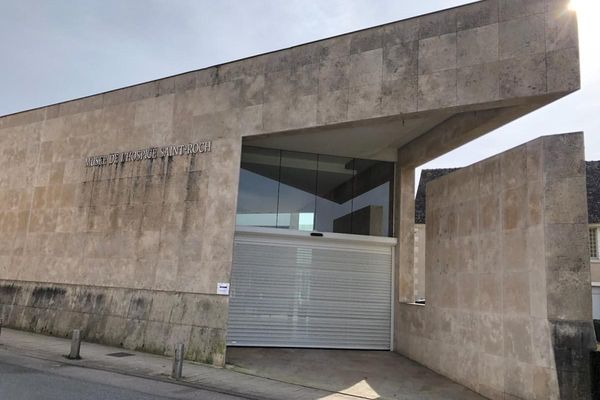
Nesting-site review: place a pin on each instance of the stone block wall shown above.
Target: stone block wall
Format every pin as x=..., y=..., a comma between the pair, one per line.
x=136, y=319
x=508, y=309
x=161, y=225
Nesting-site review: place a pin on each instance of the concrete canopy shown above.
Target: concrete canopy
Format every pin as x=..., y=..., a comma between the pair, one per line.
x=412, y=83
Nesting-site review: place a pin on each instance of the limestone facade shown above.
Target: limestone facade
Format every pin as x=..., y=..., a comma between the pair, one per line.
x=508, y=310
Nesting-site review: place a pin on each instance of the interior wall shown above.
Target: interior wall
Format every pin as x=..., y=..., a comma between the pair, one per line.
x=508, y=308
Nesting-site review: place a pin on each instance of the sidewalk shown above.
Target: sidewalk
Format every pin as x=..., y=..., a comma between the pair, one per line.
x=144, y=365
x=262, y=374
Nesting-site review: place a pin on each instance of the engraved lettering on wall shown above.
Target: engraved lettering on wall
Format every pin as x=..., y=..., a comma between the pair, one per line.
x=149, y=154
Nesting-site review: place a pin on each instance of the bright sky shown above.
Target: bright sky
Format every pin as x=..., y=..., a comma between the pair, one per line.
x=64, y=49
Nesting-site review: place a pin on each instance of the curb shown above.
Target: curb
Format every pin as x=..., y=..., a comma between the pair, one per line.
x=65, y=361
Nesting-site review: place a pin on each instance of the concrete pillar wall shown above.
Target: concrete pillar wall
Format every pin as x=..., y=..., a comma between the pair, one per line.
x=404, y=230
x=404, y=220
x=419, y=262
x=508, y=310
x=567, y=259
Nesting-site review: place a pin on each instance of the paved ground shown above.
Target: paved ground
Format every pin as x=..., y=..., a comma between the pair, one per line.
x=272, y=374
x=27, y=378
x=369, y=374
x=195, y=376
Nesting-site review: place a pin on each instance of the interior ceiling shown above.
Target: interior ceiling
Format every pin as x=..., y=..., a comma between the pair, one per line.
x=376, y=140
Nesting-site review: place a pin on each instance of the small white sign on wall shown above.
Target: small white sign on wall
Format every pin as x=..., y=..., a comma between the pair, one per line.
x=223, y=288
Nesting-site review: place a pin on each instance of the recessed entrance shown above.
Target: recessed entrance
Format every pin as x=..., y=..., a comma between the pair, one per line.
x=313, y=255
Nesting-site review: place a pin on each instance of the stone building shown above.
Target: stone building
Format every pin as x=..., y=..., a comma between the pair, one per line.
x=593, y=199
x=269, y=202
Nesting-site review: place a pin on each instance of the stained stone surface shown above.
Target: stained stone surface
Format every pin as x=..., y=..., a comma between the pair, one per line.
x=508, y=275
x=136, y=319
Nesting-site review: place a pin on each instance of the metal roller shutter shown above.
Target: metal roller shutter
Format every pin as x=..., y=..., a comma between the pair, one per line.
x=294, y=290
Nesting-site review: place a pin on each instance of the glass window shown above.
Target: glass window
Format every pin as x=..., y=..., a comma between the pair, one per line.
x=594, y=242
x=303, y=191
x=372, y=198
x=259, y=186
x=298, y=182
x=334, y=194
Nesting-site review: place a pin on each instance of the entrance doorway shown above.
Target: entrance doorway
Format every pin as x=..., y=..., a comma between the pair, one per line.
x=301, y=289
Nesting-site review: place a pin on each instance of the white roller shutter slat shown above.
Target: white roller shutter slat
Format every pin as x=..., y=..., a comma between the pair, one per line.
x=289, y=291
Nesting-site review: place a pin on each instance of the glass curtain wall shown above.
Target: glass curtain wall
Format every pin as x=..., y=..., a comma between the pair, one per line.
x=259, y=187
x=315, y=192
x=297, y=184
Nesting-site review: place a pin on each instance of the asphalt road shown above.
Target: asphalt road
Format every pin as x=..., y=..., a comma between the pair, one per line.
x=26, y=378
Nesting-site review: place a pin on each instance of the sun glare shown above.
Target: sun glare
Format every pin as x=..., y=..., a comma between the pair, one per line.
x=573, y=5
x=589, y=29
x=584, y=6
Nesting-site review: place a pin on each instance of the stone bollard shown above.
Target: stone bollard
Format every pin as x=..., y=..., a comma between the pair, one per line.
x=75, y=345
x=177, y=362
